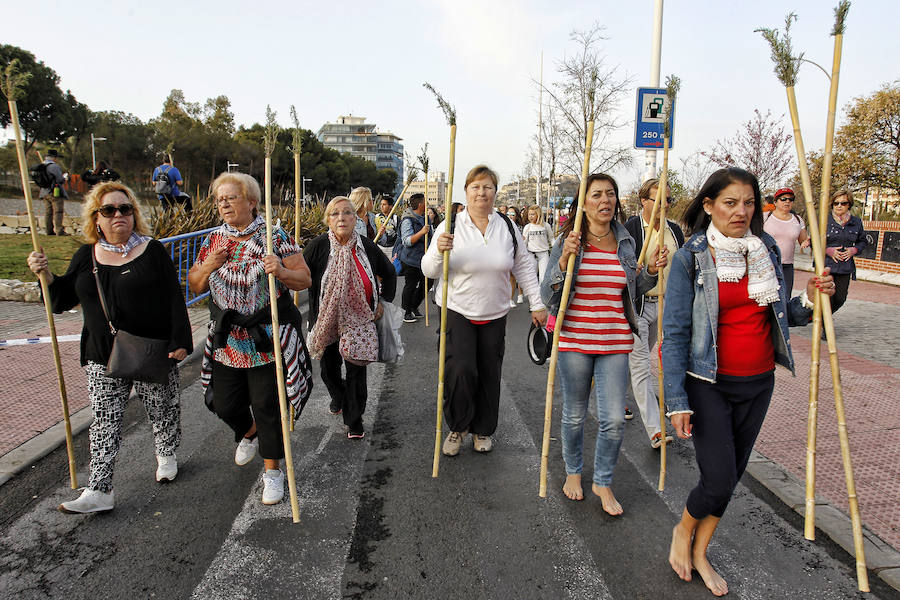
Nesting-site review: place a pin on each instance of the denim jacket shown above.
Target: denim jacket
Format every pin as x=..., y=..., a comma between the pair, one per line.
x=691, y=319
x=638, y=283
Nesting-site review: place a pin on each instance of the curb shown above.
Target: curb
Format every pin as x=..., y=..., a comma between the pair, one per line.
x=881, y=559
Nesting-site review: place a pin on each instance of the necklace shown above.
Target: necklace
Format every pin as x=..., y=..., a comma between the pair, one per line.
x=599, y=237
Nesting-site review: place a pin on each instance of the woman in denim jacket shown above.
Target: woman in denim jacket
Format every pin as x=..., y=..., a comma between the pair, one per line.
x=725, y=327
x=597, y=332
x=845, y=238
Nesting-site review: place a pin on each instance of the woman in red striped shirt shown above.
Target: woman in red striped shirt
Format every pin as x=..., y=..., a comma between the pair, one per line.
x=596, y=334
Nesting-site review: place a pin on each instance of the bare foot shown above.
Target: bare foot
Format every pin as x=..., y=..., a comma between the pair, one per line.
x=680, y=553
x=713, y=580
x=607, y=500
x=572, y=487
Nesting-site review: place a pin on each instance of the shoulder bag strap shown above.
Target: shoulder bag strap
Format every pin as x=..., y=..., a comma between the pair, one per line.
x=112, y=329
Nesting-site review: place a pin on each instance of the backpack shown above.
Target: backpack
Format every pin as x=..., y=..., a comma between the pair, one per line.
x=796, y=216
x=42, y=177
x=163, y=183
x=509, y=225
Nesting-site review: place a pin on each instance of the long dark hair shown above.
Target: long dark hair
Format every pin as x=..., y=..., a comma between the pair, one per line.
x=695, y=217
x=617, y=211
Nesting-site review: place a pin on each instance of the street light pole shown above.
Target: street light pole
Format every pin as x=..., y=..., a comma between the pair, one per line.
x=93, y=153
x=305, y=179
x=655, y=57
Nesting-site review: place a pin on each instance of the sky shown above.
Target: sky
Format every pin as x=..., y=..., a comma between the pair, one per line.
x=370, y=59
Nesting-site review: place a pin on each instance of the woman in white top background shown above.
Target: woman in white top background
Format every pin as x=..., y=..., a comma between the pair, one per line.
x=538, y=236
x=484, y=251
x=787, y=228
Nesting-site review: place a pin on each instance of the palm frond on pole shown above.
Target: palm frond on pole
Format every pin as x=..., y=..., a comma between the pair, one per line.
x=13, y=80
x=450, y=115
x=269, y=141
x=786, y=69
x=561, y=314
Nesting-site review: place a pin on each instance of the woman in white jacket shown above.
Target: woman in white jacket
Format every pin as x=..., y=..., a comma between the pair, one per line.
x=538, y=236
x=484, y=251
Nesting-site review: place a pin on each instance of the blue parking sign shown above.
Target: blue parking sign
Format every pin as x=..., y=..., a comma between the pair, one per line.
x=648, y=119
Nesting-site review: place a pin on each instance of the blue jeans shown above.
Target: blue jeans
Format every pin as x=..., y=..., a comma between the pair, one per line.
x=610, y=375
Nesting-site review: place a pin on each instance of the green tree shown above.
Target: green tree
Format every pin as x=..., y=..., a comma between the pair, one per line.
x=867, y=146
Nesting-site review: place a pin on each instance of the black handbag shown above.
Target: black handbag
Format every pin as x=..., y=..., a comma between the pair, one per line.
x=134, y=357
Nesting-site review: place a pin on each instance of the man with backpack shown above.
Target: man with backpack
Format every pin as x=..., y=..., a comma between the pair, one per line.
x=412, y=239
x=49, y=177
x=166, y=180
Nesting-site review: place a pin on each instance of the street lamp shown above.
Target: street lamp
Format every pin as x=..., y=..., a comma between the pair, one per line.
x=305, y=179
x=93, y=153
x=231, y=164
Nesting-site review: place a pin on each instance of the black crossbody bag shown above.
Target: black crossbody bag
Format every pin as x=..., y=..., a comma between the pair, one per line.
x=134, y=357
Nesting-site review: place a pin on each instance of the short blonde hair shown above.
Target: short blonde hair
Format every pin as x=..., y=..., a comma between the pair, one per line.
x=94, y=200
x=360, y=197
x=540, y=219
x=249, y=187
x=479, y=171
x=842, y=192
x=330, y=207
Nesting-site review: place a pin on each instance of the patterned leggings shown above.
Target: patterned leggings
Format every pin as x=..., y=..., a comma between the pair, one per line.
x=109, y=396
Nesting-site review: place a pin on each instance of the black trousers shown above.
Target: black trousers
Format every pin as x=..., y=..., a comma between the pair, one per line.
x=727, y=418
x=236, y=391
x=472, y=374
x=348, y=394
x=788, y=271
x=413, y=287
x=841, y=288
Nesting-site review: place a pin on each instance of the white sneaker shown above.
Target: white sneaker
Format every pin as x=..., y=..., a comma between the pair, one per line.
x=246, y=450
x=512, y=304
x=273, y=486
x=167, y=468
x=520, y=299
x=89, y=501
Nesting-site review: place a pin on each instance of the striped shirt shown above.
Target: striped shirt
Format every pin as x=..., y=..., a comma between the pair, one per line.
x=595, y=320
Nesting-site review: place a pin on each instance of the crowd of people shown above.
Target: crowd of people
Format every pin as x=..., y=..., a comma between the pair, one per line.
x=728, y=306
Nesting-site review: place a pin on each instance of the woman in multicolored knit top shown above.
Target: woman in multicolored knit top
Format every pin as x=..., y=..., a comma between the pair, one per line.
x=239, y=362
x=596, y=334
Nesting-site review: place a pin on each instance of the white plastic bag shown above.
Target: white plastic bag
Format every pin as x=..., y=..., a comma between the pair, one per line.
x=390, y=346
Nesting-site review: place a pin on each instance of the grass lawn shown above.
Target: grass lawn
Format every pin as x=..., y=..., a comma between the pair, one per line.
x=14, y=249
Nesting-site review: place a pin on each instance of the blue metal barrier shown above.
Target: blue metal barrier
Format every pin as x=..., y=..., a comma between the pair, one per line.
x=183, y=250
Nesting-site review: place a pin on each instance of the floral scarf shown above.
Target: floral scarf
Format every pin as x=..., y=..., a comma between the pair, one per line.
x=251, y=228
x=736, y=257
x=344, y=314
x=133, y=242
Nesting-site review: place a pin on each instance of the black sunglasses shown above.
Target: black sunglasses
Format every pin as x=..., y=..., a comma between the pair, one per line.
x=110, y=210
x=844, y=203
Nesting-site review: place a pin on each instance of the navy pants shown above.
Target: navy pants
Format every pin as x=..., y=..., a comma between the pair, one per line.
x=727, y=418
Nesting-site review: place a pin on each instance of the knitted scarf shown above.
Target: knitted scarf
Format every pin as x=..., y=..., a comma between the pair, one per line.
x=736, y=257
x=344, y=313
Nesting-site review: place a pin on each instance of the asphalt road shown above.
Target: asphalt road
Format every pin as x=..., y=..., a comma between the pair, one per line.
x=375, y=524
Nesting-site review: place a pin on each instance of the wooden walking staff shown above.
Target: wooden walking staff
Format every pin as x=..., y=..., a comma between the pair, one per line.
x=786, y=67
x=561, y=314
x=423, y=160
x=295, y=147
x=270, y=139
x=809, y=530
x=12, y=83
x=450, y=114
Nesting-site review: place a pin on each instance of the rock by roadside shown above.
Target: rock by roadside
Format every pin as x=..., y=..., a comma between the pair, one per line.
x=13, y=289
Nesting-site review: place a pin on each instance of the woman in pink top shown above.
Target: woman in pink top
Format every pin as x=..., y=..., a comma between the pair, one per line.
x=787, y=228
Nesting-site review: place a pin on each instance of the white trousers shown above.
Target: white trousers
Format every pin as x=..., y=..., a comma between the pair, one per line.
x=644, y=385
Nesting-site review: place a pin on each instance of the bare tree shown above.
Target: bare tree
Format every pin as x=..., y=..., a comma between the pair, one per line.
x=761, y=146
x=695, y=170
x=588, y=90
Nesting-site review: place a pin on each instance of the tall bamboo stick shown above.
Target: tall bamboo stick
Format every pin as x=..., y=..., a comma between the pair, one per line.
x=270, y=139
x=12, y=82
x=423, y=160
x=561, y=314
x=786, y=66
x=295, y=147
x=450, y=114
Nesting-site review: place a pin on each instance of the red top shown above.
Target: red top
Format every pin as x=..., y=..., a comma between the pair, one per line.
x=745, y=333
x=367, y=285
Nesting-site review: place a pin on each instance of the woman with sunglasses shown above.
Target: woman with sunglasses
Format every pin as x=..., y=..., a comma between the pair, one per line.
x=844, y=239
x=786, y=226
x=238, y=366
x=144, y=298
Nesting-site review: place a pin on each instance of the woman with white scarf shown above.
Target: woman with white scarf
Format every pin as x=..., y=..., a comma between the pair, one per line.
x=350, y=278
x=725, y=326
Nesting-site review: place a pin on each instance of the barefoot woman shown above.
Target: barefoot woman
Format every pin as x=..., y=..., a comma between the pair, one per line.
x=596, y=334
x=726, y=325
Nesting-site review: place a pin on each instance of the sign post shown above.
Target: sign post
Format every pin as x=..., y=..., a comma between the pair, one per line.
x=650, y=112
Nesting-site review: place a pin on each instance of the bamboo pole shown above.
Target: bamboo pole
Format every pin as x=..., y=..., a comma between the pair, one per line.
x=427, y=224
x=561, y=314
x=295, y=147
x=660, y=244
x=271, y=132
x=12, y=79
x=450, y=114
x=824, y=207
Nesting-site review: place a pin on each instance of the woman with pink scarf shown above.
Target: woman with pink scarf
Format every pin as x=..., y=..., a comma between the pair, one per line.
x=350, y=279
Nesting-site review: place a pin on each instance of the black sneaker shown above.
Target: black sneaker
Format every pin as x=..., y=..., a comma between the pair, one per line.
x=409, y=317
x=416, y=313
x=628, y=414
